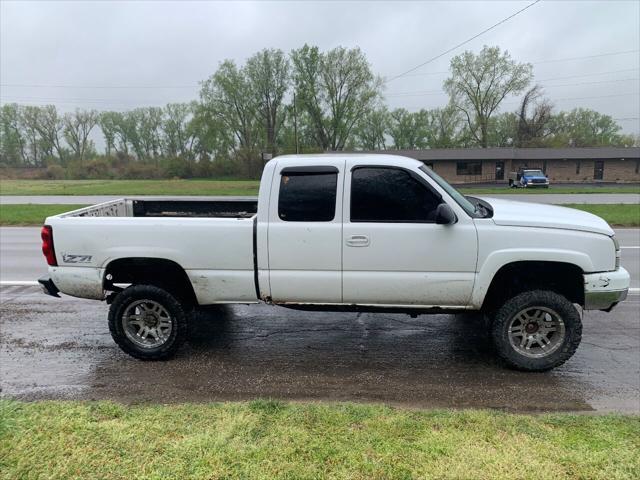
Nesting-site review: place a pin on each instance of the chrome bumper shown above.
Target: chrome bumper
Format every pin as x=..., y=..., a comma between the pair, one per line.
x=603, y=291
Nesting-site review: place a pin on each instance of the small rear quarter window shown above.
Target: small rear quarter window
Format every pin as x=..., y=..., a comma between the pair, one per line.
x=307, y=196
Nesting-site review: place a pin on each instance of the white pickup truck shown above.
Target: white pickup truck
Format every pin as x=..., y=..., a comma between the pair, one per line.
x=375, y=233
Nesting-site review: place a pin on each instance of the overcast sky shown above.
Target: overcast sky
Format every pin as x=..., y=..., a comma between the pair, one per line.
x=142, y=48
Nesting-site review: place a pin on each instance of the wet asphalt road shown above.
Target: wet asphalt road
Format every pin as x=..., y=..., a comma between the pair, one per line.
x=61, y=349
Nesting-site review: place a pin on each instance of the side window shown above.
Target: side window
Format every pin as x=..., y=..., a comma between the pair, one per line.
x=307, y=197
x=390, y=195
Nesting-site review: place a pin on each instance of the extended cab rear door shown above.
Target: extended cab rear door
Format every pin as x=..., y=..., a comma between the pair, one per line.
x=305, y=231
x=393, y=251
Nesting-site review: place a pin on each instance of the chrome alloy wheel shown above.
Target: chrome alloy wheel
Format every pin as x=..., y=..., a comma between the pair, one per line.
x=147, y=323
x=536, y=332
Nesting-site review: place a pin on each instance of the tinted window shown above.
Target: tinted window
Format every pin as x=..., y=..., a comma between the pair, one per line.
x=469, y=168
x=307, y=197
x=390, y=195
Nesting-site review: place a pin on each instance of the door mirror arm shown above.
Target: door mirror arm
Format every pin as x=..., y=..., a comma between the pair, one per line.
x=445, y=215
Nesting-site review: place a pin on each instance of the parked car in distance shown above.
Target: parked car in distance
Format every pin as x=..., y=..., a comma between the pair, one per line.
x=373, y=233
x=528, y=178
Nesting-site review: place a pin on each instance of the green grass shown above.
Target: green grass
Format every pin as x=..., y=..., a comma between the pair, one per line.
x=270, y=439
x=15, y=215
x=129, y=187
x=618, y=215
x=229, y=187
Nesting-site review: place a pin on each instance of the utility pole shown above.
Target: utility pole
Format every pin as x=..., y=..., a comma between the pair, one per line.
x=295, y=122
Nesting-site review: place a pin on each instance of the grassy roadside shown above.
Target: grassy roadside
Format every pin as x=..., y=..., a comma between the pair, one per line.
x=230, y=187
x=619, y=215
x=554, y=189
x=31, y=214
x=268, y=439
x=129, y=187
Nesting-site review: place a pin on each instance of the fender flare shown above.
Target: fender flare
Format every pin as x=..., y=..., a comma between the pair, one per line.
x=500, y=258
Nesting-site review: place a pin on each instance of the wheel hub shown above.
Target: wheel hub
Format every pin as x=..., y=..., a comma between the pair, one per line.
x=147, y=323
x=536, y=332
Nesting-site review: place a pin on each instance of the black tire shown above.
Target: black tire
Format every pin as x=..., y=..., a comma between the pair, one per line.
x=566, y=347
x=176, y=316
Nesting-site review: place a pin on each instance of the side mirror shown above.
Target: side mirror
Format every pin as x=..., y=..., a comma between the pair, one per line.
x=445, y=215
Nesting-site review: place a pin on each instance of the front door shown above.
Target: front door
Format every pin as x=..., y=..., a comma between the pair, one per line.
x=393, y=251
x=305, y=232
x=598, y=170
x=499, y=170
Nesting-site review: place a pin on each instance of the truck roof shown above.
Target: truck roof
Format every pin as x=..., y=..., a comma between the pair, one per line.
x=373, y=158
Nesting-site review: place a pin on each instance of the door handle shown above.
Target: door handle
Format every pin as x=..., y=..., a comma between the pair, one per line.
x=358, y=241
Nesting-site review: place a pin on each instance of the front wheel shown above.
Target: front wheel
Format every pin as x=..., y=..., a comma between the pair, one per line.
x=147, y=322
x=537, y=331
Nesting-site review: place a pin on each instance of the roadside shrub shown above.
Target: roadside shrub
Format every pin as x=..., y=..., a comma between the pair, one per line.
x=179, y=168
x=203, y=168
x=54, y=172
x=141, y=171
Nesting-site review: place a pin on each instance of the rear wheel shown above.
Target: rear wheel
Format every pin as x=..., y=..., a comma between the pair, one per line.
x=536, y=330
x=147, y=322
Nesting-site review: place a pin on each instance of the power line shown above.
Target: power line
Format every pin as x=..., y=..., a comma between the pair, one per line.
x=609, y=54
x=440, y=92
x=463, y=43
x=594, y=83
x=588, y=56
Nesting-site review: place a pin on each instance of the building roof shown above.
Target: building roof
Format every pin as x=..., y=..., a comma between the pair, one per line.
x=576, y=153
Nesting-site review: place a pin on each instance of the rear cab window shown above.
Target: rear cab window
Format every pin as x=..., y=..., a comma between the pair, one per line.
x=308, y=194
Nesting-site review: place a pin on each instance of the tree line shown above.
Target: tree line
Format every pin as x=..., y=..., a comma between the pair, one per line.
x=307, y=101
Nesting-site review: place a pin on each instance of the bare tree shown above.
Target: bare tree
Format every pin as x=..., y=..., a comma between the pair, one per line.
x=533, y=129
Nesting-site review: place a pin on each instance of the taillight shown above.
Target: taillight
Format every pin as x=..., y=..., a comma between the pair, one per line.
x=47, y=245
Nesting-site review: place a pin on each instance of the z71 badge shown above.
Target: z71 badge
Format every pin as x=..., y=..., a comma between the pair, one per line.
x=68, y=258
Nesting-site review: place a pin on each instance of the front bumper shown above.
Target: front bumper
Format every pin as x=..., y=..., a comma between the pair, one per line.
x=604, y=290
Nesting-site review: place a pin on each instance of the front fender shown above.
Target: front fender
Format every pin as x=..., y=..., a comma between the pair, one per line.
x=499, y=258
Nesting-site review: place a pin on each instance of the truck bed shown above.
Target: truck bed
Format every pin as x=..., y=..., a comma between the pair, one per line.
x=162, y=207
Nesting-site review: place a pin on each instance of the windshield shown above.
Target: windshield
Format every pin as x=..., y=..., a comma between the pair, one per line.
x=460, y=199
x=533, y=173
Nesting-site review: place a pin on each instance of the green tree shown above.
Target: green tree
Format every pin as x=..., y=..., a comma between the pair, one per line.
x=267, y=73
x=443, y=127
x=109, y=125
x=583, y=127
x=503, y=130
x=12, y=140
x=50, y=126
x=479, y=83
x=335, y=89
x=228, y=98
x=77, y=127
x=408, y=130
x=178, y=138
x=371, y=129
